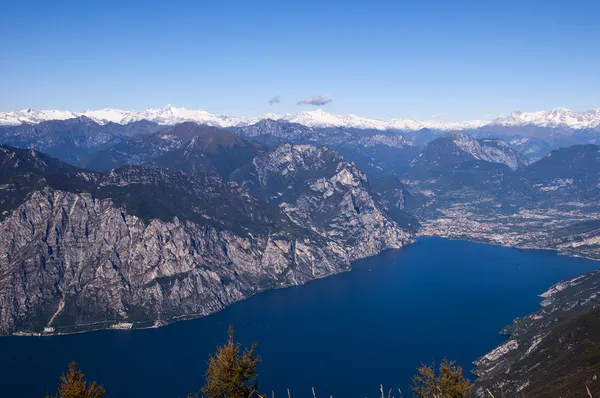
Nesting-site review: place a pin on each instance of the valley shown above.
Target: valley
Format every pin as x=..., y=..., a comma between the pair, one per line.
x=141, y=223
x=292, y=199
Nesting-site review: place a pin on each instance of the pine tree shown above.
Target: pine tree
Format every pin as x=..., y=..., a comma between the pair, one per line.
x=448, y=383
x=74, y=385
x=231, y=373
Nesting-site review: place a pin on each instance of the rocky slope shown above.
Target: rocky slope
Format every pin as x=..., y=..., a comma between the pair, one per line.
x=141, y=247
x=579, y=239
x=291, y=176
x=553, y=352
x=457, y=148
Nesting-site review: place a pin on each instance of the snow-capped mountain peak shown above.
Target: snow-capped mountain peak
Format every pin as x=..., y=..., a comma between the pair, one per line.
x=557, y=117
x=169, y=115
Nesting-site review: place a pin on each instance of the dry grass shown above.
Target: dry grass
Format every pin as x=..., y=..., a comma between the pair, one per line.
x=383, y=394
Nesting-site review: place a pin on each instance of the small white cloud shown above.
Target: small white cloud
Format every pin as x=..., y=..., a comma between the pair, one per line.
x=316, y=101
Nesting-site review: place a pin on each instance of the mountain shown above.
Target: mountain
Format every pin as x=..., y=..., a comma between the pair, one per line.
x=273, y=132
x=17, y=160
x=170, y=115
x=552, y=203
x=140, y=247
x=531, y=133
x=457, y=161
x=320, y=118
x=537, y=133
x=558, y=117
x=535, y=141
x=72, y=139
x=378, y=153
x=292, y=174
x=22, y=171
x=205, y=149
x=568, y=176
x=186, y=146
x=456, y=148
x=552, y=352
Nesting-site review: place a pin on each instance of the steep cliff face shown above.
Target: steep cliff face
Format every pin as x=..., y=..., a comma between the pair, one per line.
x=321, y=192
x=553, y=352
x=71, y=262
x=89, y=251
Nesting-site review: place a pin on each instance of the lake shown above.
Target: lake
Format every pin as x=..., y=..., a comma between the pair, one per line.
x=344, y=335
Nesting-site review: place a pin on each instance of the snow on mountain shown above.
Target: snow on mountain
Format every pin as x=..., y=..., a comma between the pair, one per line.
x=320, y=118
x=170, y=115
x=31, y=116
x=558, y=117
x=104, y=116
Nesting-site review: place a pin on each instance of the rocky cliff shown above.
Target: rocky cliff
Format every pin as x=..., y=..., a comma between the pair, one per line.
x=142, y=247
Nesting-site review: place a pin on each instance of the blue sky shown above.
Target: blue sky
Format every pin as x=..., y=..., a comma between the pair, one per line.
x=449, y=60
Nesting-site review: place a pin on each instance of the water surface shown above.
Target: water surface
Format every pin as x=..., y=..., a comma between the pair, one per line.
x=344, y=334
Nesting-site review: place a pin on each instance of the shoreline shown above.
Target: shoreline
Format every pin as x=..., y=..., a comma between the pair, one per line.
x=161, y=323
x=485, y=242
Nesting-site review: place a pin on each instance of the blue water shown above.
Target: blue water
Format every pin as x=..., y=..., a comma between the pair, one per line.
x=344, y=334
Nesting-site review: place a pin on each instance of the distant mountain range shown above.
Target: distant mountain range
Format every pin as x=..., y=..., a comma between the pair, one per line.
x=72, y=140
x=457, y=168
x=170, y=115
x=186, y=146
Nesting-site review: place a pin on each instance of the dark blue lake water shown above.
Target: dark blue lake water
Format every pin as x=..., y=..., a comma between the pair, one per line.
x=344, y=334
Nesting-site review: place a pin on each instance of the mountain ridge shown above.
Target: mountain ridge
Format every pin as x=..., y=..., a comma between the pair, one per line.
x=141, y=247
x=169, y=115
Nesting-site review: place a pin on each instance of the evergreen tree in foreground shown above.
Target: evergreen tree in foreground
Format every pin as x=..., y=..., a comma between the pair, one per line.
x=232, y=373
x=74, y=385
x=448, y=383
